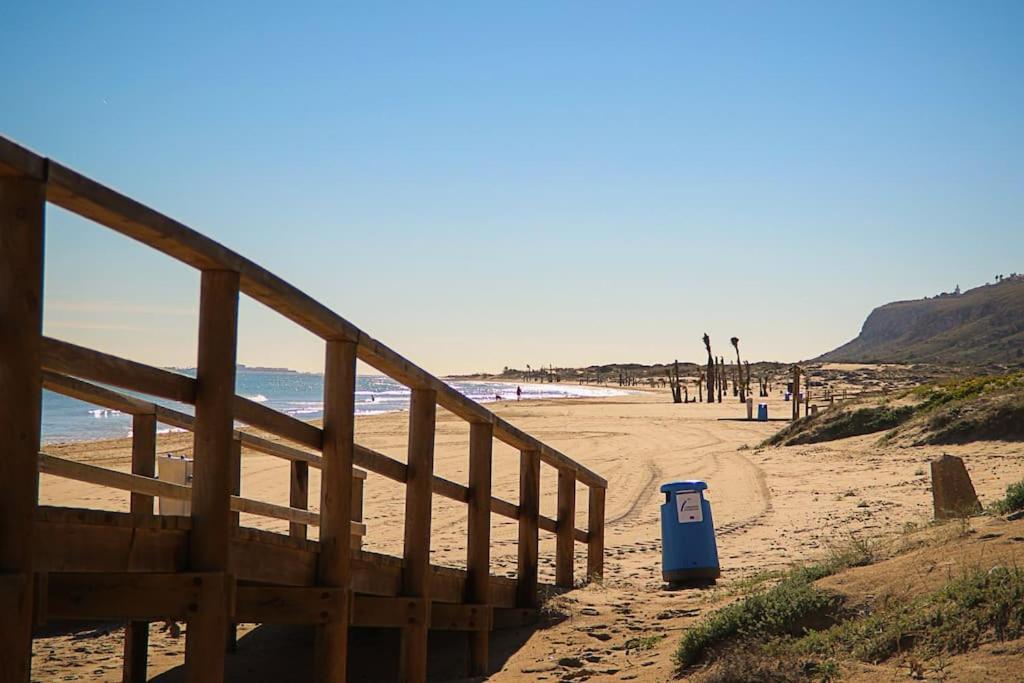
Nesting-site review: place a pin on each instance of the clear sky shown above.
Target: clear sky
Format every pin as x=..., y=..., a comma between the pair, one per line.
x=481, y=185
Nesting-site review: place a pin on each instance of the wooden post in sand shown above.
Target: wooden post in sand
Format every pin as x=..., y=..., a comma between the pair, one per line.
x=566, y=528
x=136, y=633
x=336, y=501
x=22, y=201
x=418, y=493
x=298, y=495
x=206, y=638
x=529, y=511
x=796, y=392
x=478, y=546
x=595, y=535
x=710, y=384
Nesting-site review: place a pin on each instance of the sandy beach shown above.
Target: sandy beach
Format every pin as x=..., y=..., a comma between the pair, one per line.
x=772, y=507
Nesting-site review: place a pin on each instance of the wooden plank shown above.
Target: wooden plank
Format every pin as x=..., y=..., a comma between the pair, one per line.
x=136, y=633
x=504, y=508
x=16, y=160
x=478, y=544
x=288, y=605
x=275, y=422
x=336, y=504
x=80, y=471
x=565, y=545
x=87, y=198
x=90, y=393
x=298, y=495
x=206, y=637
x=418, y=490
x=529, y=505
x=378, y=612
x=255, y=559
x=379, y=463
x=595, y=535
x=22, y=207
x=70, y=359
x=450, y=489
x=132, y=595
x=70, y=547
x=460, y=617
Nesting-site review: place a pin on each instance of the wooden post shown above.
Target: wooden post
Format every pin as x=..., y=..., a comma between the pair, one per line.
x=236, y=477
x=211, y=481
x=136, y=633
x=236, y=520
x=336, y=504
x=22, y=202
x=595, y=535
x=418, y=492
x=478, y=551
x=529, y=510
x=796, y=393
x=299, y=496
x=565, y=551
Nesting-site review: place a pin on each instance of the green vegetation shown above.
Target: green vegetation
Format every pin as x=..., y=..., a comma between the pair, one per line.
x=641, y=643
x=796, y=631
x=832, y=425
x=1013, y=501
x=789, y=607
x=969, y=610
x=974, y=408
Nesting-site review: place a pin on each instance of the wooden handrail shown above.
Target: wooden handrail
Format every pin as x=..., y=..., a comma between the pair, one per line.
x=364, y=457
x=27, y=182
x=124, y=481
x=90, y=199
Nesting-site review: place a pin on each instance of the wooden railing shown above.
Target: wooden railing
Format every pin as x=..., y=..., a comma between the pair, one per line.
x=30, y=361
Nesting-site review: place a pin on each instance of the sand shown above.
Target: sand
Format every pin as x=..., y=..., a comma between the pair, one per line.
x=771, y=507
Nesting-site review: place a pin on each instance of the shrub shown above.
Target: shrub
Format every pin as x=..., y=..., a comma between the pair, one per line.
x=1014, y=499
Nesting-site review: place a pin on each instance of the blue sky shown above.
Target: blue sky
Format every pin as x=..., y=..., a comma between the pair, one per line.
x=481, y=185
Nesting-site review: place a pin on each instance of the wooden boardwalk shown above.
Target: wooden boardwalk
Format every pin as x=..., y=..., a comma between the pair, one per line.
x=206, y=569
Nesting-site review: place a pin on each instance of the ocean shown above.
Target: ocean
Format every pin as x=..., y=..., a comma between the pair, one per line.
x=298, y=394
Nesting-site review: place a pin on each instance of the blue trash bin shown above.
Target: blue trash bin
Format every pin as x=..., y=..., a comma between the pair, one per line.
x=688, y=548
x=762, y=412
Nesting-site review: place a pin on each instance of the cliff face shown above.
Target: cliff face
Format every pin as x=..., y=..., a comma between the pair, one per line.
x=982, y=326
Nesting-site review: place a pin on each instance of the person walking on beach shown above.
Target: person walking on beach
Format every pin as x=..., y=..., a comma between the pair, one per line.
x=519, y=393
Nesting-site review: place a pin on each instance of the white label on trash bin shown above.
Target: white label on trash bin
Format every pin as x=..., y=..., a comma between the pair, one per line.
x=688, y=507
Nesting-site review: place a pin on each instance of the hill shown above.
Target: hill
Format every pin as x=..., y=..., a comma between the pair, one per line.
x=982, y=326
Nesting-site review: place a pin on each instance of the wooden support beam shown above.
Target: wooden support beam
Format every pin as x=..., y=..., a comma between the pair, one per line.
x=565, y=545
x=418, y=490
x=289, y=605
x=22, y=208
x=446, y=616
x=298, y=496
x=336, y=505
x=136, y=633
x=595, y=535
x=478, y=550
x=529, y=506
x=206, y=638
x=135, y=595
x=380, y=612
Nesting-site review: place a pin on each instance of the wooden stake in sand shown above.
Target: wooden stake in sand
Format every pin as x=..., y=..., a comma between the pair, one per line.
x=711, y=369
